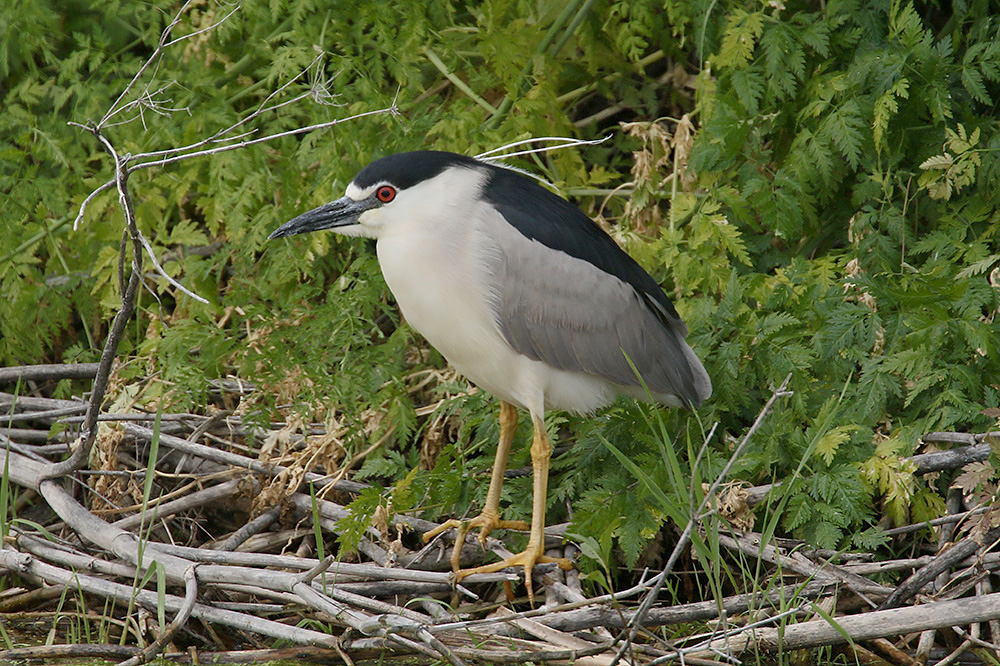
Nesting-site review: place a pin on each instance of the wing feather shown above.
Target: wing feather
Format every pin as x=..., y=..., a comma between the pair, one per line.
x=573, y=315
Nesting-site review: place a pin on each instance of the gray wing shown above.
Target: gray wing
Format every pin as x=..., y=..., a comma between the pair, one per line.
x=572, y=315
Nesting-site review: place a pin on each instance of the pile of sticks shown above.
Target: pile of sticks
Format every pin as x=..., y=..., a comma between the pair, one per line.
x=177, y=541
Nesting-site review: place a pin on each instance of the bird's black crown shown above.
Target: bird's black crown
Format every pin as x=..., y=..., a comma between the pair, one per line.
x=405, y=170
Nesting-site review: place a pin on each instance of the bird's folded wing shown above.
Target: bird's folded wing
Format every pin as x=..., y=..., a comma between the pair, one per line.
x=572, y=315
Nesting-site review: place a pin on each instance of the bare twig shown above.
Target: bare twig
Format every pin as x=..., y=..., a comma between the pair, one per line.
x=561, y=142
x=164, y=43
x=82, y=451
x=942, y=562
x=127, y=164
x=173, y=156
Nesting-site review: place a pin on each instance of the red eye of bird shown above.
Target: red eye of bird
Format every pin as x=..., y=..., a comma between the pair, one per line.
x=386, y=193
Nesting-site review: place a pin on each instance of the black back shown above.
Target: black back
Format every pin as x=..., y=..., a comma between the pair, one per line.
x=556, y=223
x=534, y=211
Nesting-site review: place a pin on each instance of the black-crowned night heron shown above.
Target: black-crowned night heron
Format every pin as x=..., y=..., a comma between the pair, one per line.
x=524, y=294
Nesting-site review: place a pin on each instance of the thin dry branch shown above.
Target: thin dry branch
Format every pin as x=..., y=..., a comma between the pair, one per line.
x=89, y=434
x=125, y=165
x=867, y=626
x=752, y=544
x=153, y=60
x=939, y=564
x=42, y=373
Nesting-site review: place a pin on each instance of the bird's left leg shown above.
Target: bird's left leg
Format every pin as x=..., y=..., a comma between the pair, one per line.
x=541, y=453
x=489, y=519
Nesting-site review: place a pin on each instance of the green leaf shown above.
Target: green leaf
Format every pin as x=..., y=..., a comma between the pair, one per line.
x=352, y=528
x=980, y=267
x=844, y=126
x=740, y=38
x=887, y=106
x=828, y=444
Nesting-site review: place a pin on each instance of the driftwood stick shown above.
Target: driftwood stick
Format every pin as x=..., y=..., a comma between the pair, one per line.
x=348, y=616
x=73, y=559
x=942, y=562
x=122, y=544
x=124, y=593
x=558, y=639
x=960, y=437
x=366, y=648
x=23, y=471
x=231, y=423
x=127, y=546
x=46, y=372
x=336, y=602
x=48, y=653
x=234, y=459
x=15, y=601
x=935, y=522
x=255, y=526
x=185, y=503
x=868, y=626
x=440, y=647
x=154, y=648
x=338, y=570
x=23, y=450
x=750, y=544
x=36, y=439
x=9, y=401
x=938, y=461
x=260, y=581
x=883, y=647
x=47, y=415
x=586, y=617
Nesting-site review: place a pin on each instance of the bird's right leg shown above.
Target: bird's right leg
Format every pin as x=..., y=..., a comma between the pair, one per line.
x=489, y=519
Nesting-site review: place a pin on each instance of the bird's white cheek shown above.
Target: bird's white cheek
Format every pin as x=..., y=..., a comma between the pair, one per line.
x=370, y=224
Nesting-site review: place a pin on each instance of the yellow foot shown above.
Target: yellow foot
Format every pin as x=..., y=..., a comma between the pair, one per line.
x=487, y=522
x=527, y=559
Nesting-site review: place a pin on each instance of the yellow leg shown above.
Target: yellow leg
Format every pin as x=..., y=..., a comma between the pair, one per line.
x=489, y=519
x=541, y=452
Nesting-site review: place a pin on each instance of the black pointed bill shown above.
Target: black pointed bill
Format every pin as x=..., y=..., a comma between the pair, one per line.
x=340, y=213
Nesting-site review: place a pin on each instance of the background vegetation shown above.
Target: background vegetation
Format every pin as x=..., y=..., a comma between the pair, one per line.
x=814, y=183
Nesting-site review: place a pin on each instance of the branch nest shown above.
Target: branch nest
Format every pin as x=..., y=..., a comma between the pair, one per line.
x=226, y=548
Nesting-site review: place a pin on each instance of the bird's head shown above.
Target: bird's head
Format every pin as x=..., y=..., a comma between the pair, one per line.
x=414, y=183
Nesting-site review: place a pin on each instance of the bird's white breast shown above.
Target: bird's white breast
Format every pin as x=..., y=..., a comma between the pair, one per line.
x=433, y=263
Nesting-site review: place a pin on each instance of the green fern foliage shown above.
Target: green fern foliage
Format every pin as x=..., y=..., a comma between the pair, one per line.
x=814, y=184
x=875, y=123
